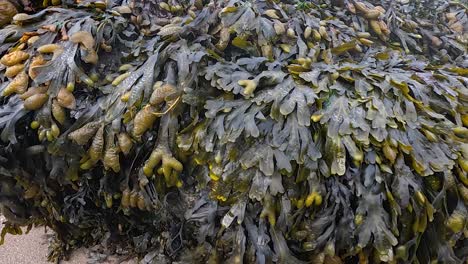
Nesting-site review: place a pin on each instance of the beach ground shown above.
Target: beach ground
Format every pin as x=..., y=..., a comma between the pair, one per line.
x=32, y=248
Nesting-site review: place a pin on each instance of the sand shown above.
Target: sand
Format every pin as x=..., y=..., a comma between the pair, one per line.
x=31, y=248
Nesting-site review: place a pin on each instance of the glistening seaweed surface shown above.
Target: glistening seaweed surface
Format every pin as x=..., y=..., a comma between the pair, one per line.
x=238, y=131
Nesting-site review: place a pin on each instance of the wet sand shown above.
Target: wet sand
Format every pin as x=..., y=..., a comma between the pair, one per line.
x=32, y=248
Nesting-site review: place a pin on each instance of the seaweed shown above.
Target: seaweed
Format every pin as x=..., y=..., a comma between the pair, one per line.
x=238, y=131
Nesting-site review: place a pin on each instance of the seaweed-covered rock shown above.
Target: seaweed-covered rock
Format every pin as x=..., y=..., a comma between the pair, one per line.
x=241, y=131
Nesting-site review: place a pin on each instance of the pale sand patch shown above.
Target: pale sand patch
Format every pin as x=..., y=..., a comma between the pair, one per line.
x=31, y=248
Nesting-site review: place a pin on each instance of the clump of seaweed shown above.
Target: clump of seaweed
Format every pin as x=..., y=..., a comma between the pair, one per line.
x=239, y=131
